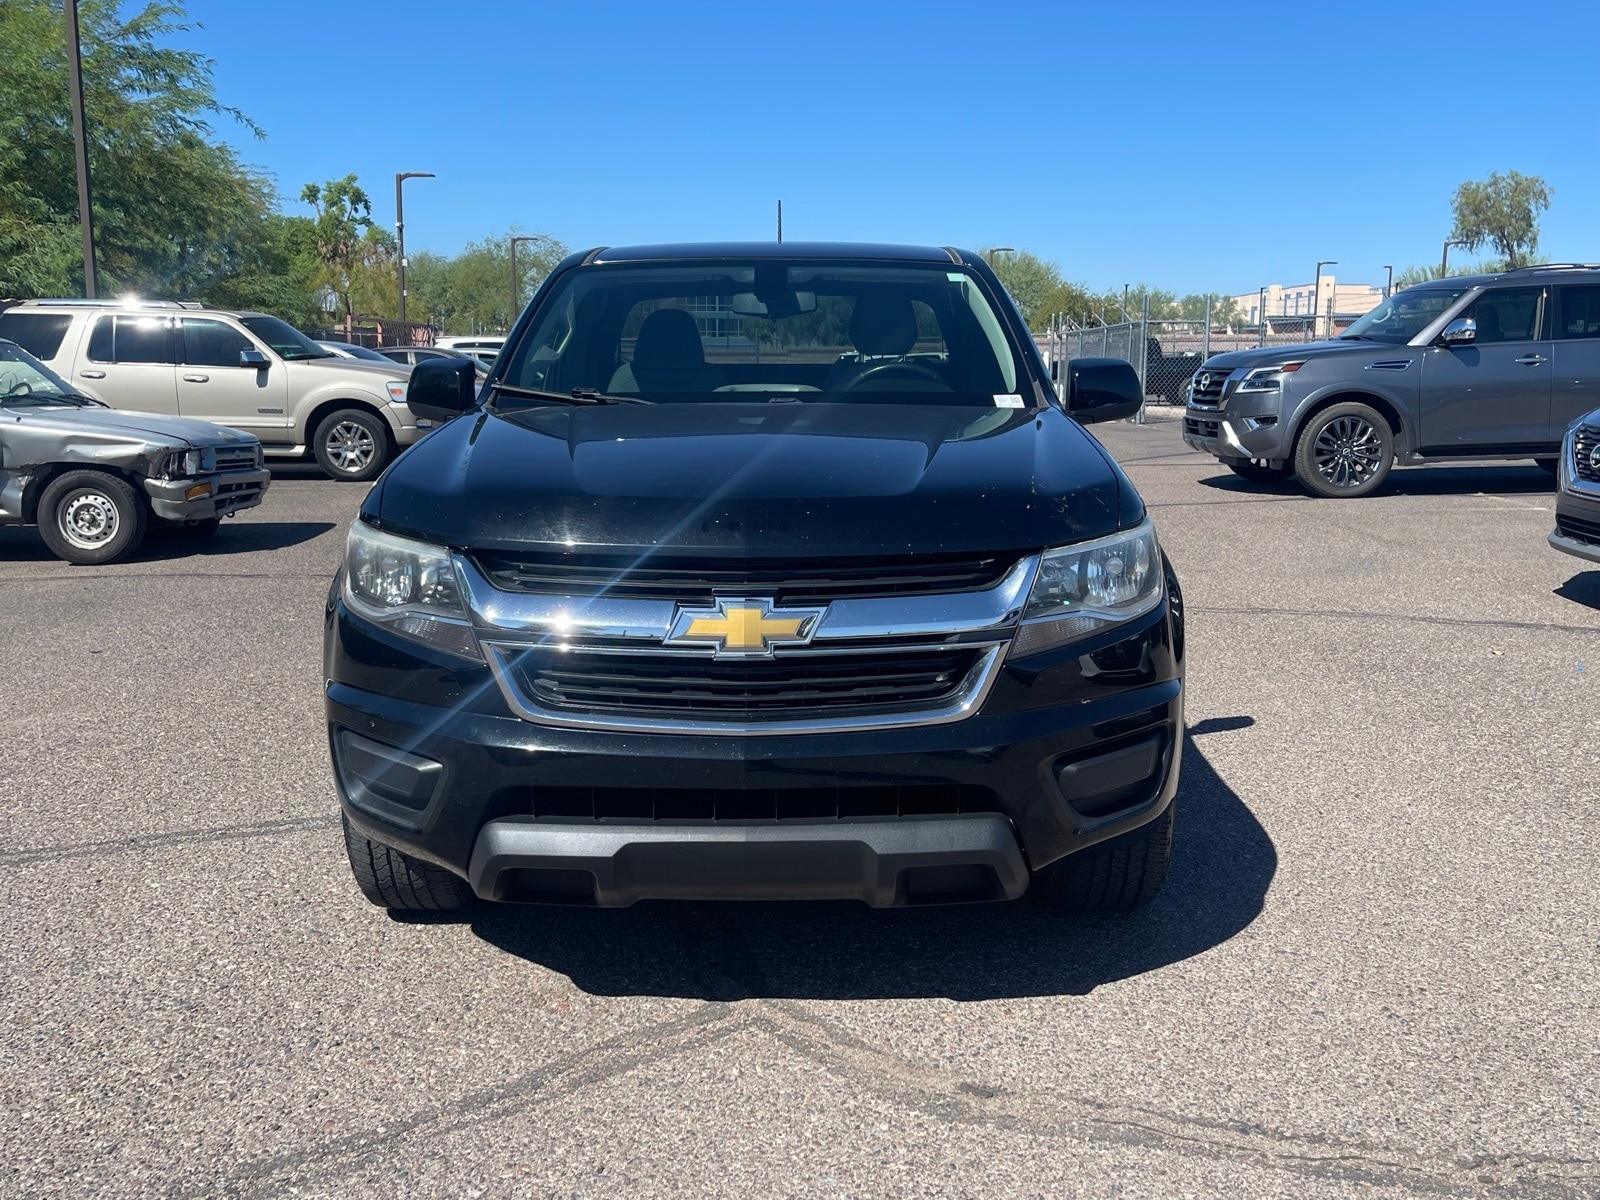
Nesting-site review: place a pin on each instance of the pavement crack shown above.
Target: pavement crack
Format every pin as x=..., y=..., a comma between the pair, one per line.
x=1414, y=618
x=225, y=833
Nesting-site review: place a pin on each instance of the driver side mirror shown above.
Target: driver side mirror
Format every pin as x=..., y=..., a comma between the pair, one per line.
x=441, y=389
x=1462, y=331
x=1102, y=389
x=253, y=359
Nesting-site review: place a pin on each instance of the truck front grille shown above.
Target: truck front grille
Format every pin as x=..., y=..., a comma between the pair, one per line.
x=758, y=804
x=1584, y=441
x=787, y=686
x=698, y=580
x=236, y=458
x=1206, y=389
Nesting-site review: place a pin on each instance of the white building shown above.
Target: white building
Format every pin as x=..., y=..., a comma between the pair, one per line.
x=1348, y=301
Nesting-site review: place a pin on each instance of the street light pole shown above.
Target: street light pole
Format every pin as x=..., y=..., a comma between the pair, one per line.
x=1388, y=288
x=81, y=147
x=1316, y=293
x=1444, y=259
x=516, y=280
x=993, y=250
x=400, y=228
x=1261, y=311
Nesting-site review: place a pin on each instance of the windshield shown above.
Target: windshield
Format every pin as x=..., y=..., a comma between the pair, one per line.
x=1404, y=315
x=25, y=381
x=756, y=330
x=286, y=341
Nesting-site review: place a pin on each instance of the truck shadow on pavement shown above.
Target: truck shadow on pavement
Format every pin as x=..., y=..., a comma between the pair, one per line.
x=1223, y=863
x=1583, y=588
x=1442, y=479
x=23, y=544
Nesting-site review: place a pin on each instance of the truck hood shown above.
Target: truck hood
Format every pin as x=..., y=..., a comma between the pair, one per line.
x=1272, y=355
x=150, y=427
x=756, y=479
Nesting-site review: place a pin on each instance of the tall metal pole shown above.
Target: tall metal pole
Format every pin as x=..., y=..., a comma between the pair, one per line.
x=993, y=250
x=1444, y=259
x=80, y=140
x=1388, y=288
x=1316, y=294
x=780, y=220
x=400, y=228
x=1261, y=313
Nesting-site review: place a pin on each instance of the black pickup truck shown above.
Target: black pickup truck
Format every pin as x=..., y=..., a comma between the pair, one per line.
x=758, y=572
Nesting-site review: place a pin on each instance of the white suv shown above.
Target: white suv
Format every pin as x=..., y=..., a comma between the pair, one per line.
x=250, y=371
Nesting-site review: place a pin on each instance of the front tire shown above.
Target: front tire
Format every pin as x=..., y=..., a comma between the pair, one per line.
x=399, y=882
x=92, y=517
x=1125, y=877
x=1344, y=451
x=352, y=445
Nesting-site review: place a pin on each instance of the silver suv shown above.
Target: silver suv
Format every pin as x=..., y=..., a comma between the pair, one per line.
x=1474, y=367
x=247, y=370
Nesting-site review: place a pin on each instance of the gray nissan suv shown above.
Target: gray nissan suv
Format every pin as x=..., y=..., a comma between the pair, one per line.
x=1472, y=367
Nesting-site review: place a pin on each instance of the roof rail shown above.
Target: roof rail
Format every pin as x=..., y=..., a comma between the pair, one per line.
x=1570, y=266
x=80, y=302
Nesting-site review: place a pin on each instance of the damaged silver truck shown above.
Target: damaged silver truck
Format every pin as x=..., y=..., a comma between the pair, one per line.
x=94, y=479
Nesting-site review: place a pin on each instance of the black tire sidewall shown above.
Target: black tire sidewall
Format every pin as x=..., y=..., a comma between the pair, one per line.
x=1305, y=469
x=373, y=424
x=132, y=517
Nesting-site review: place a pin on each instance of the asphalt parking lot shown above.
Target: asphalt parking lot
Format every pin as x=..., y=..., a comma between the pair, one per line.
x=1373, y=970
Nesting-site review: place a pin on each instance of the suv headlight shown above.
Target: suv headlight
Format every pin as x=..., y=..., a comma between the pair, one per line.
x=1081, y=590
x=1267, y=379
x=409, y=586
x=397, y=391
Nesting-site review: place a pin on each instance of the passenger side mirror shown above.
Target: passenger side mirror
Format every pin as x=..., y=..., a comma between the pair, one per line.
x=442, y=388
x=252, y=358
x=1460, y=332
x=1102, y=389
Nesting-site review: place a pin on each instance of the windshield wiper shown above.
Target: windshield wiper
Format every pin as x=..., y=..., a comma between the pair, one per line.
x=76, y=399
x=575, y=396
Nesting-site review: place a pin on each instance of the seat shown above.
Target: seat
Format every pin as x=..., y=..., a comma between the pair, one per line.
x=883, y=328
x=1489, y=324
x=667, y=357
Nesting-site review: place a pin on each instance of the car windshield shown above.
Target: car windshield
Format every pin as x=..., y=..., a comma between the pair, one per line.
x=1404, y=315
x=27, y=382
x=286, y=341
x=758, y=330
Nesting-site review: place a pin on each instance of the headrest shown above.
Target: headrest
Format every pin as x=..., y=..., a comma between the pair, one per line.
x=883, y=325
x=669, y=340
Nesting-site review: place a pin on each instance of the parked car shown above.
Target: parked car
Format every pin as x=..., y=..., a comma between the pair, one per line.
x=351, y=350
x=247, y=370
x=480, y=346
x=94, y=479
x=1474, y=367
x=668, y=615
x=1577, y=530
x=410, y=356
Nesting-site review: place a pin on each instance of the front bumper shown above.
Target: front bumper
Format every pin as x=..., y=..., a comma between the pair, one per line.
x=202, y=497
x=1237, y=431
x=1577, y=530
x=1072, y=748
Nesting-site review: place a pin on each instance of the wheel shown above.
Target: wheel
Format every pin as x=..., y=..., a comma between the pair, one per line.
x=198, y=531
x=1125, y=877
x=90, y=517
x=1344, y=451
x=1548, y=464
x=395, y=880
x=352, y=445
x=1258, y=470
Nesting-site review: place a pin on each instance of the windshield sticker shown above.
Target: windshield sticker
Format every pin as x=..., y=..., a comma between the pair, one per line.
x=1008, y=401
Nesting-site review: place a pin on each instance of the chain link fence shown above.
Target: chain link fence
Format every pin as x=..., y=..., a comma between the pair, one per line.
x=1165, y=352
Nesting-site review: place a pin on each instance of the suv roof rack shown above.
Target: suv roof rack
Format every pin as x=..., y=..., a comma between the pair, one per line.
x=1571, y=266
x=80, y=302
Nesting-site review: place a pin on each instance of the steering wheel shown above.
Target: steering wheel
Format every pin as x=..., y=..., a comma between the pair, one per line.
x=880, y=370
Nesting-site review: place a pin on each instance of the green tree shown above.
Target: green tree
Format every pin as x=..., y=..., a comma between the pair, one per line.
x=1224, y=312
x=1503, y=212
x=174, y=212
x=341, y=234
x=473, y=290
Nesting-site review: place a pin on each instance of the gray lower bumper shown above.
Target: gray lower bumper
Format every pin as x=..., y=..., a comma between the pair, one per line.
x=228, y=492
x=1574, y=547
x=911, y=860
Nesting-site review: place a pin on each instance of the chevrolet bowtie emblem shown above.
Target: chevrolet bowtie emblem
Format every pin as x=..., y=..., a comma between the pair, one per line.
x=751, y=628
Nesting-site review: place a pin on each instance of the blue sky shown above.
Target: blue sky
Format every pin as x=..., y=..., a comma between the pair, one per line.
x=1191, y=146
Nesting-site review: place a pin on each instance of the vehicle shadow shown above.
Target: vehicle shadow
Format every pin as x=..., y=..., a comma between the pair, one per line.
x=1447, y=479
x=1223, y=864
x=1583, y=588
x=23, y=544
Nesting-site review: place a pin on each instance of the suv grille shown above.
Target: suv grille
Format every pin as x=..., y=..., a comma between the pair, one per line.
x=1206, y=390
x=697, y=580
x=759, y=804
x=1584, y=441
x=690, y=687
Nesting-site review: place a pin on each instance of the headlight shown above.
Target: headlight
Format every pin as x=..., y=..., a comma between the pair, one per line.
x=397, y=391
x=410, y=586
x=1267, y=379
x=181, y=464
x=1081, y=590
